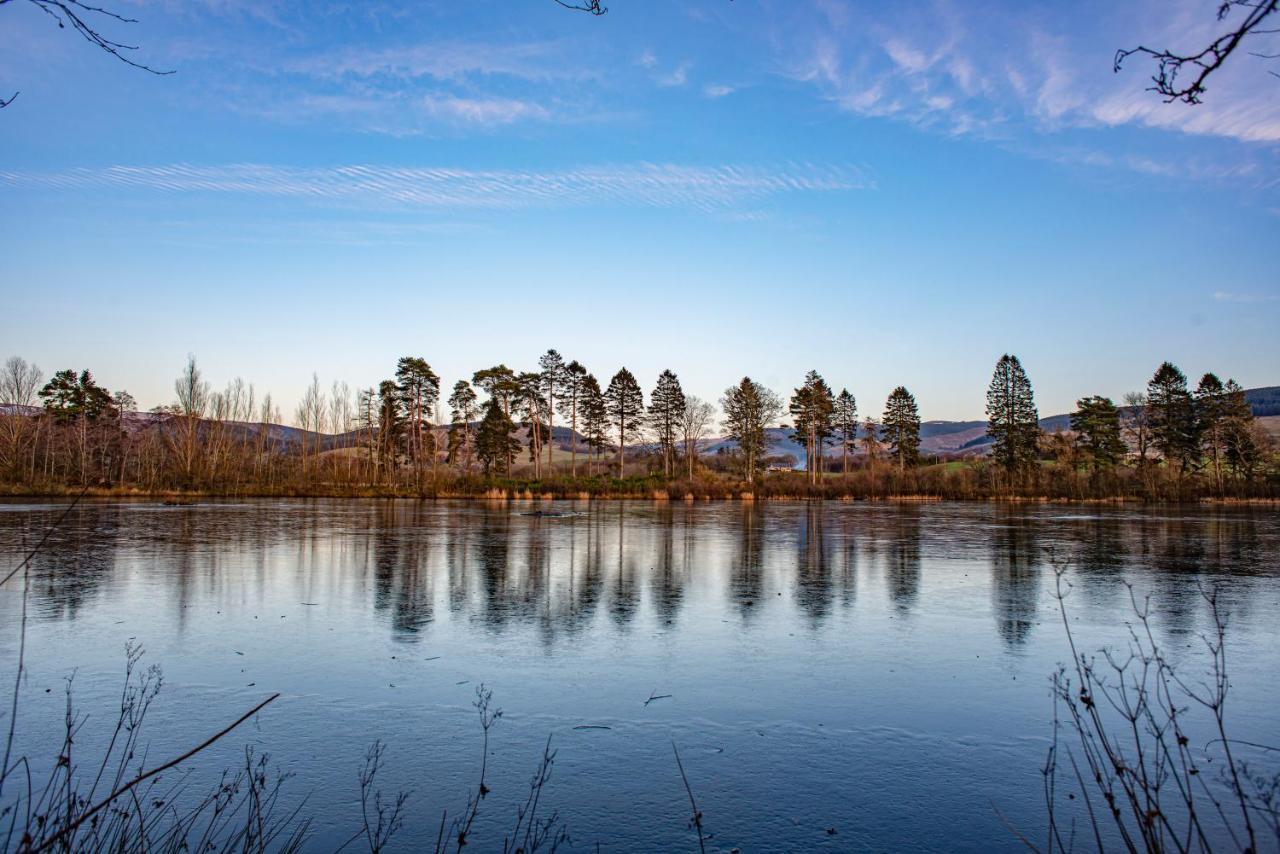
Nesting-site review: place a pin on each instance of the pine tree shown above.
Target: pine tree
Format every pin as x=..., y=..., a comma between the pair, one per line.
x=529, y=402
x=1243, y=450
x=1211, y=415
x=812, y=407
x=871, y=440
x=499, y=382
x=624, y=402
x=70, y=397
x=1013, y=422
x=390, y=426
x=554, y=375
x=462, y=412
x=845, y=422
x=1172, y=417
x=595, y=419
x=494, y=443
x=1096, y=423
x=749, y=408
x=900, y=427
x=575, y=376
x=666, y=412
x=419, y=389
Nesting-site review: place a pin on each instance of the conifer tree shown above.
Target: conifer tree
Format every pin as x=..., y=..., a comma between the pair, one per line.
x=1172, y=417
x=494, y=443
x=845, y=423
x=499, y=382
x=749, y=408
x=529, y=402
x=575, y=376
x=1012, y=420
x=1096, y=423
x=1243, y=447
x=554, y=373
x=1211, y=414
x=624, y=402
x=666, y=412
x=69, y=397
x=390, y=426
x=419, y=389
x=595, y=419
x=813, y=407
x=871, y=440
x=900, y=427
x=462, y=412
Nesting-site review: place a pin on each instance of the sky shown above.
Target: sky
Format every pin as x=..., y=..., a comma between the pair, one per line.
x=893, y=194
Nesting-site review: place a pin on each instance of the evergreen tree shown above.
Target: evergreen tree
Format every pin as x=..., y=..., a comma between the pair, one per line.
x=900, y=427
x=390, y=425
x=462, y=412
x=1172, y=418
x=749, y=408
x=499, y=382
x=533, y=407
x=1243, y=449
x=419, y=389
x=554, y=376
x=624, y=402
x=1012, y=420
x=1211, y=421
x=845, y=422
x=70, y=397
x=666, y=414
x=595, y=419
x=813, y=407
x=1096, y=423
x=871, y=440
x=575, y=376
x=494, y=443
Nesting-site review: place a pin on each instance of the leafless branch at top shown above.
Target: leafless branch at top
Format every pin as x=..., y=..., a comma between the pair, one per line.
x=1170, y=65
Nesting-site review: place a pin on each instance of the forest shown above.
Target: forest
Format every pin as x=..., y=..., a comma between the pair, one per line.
x=558, y=431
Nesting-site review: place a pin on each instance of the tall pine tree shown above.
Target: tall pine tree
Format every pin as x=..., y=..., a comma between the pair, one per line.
x=900, y=427
x=666, y=413
x=624, y=402
x=1171, y=416
x=1012, y=420
x=845, y=421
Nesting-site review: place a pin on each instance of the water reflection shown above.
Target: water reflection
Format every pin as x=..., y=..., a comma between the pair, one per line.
x=501, y=564
x=1016, y=558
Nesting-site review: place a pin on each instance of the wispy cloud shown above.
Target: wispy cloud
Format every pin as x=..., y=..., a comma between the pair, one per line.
x=717, y=90
x=702, y=188
x=483, y=111
x=1228, y=296
x=677, y=76
x=926, y=66
x=444, y=61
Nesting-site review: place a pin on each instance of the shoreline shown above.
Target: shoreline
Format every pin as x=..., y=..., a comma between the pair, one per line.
x=188, y=497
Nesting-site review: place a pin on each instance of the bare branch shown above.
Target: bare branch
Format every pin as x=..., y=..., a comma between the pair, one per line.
x=1169, y=64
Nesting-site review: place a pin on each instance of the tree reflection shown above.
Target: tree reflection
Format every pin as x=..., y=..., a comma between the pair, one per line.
x=1015, y=575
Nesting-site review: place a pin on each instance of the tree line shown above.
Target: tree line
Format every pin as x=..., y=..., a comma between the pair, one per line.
x=500, y=427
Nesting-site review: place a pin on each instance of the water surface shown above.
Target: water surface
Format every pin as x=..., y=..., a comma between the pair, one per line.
x=876, y=670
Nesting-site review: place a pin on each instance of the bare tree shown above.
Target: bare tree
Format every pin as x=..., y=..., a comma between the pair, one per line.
x=1170, y=65
x=695, y=424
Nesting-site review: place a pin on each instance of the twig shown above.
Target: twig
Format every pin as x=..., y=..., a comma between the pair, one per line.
x=697, y=816
x=653, y=697
x=94, y=810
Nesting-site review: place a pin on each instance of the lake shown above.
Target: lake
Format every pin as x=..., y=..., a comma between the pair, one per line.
x=838, y=676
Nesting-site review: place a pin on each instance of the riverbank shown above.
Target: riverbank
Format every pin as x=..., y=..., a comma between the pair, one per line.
x=530, y=494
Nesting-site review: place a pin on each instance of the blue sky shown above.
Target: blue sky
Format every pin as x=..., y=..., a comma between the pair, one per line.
x=889, y=193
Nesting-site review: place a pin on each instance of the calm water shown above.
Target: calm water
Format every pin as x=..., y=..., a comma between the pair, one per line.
x=880, y=670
